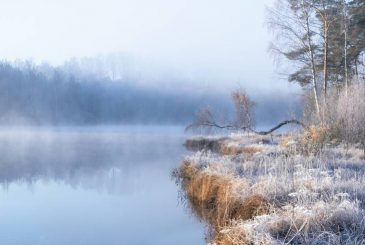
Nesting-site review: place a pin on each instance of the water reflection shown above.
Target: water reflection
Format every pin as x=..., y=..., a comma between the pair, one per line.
x=85, y=158
x=111, y=180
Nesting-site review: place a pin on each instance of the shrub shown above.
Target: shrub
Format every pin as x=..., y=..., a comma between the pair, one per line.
x=244, y=109
x=313, y=140
x=212, y=197
x=343, y=115
x=351, y=114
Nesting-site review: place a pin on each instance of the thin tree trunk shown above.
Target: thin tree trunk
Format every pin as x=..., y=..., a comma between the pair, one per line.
x=313, y=68
x=326, y=25
x=325, y=60
x=345, y=47
x=325, y=70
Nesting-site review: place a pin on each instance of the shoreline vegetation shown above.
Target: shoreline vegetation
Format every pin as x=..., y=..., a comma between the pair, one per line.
x=288, y=188
x=304, y=186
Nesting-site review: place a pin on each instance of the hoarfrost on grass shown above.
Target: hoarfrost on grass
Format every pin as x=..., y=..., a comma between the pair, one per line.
x=314, y=199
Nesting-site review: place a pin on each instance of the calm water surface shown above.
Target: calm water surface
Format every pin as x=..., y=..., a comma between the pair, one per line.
x=100, y=185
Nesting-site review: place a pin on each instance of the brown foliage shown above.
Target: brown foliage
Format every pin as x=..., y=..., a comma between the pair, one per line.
x=342, y=115
x=285, y=141
x=200, y=144
x=235, y=150
x=210, y=198
x=251, y=150
x=226, y=149
x=233, y=237
x=220, y=146
x=244, y=108
x=313, y=140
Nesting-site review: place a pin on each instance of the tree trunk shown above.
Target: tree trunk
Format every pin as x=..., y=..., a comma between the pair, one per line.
x=325, y=60
x=325, y=70
x=345, y=47
x=313, y=68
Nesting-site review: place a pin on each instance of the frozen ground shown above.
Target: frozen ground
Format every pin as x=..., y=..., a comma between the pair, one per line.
x=311, y=197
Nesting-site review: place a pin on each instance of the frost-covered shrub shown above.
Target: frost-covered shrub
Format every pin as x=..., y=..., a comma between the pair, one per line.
x=342, y=113
x=278, y=196
x=351, y=114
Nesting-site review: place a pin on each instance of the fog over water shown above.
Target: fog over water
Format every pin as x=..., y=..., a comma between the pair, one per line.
x=92, y=185
x=111, y=62
x=101, y=91
x=94, y=98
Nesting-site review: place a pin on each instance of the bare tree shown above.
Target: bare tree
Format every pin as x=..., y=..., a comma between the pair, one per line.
x=322, y=10
x=345, y=30
x=244, y=120
x=244, y=109
x=349, y=116
x=294, y=24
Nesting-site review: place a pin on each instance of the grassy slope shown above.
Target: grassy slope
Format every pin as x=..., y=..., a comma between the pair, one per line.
x=263, y=190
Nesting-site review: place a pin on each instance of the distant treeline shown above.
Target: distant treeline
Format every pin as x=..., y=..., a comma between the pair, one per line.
x=30, y=94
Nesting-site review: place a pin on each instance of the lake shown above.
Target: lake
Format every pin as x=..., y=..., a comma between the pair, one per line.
x=93, y=185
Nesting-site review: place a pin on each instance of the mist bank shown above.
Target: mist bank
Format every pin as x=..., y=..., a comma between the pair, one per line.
x=44, y=95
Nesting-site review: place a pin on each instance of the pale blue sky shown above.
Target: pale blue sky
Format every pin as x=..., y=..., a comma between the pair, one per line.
x=209, y=39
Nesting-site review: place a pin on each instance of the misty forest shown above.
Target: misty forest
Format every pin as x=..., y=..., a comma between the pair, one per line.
x=155, y=122
x=94, y=91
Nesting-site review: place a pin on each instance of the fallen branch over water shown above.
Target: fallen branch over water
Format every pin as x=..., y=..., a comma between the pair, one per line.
x=293, y=121
x=209, y=124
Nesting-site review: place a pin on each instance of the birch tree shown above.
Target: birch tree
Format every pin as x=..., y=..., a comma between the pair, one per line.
x=294, y=24
x=323, y=40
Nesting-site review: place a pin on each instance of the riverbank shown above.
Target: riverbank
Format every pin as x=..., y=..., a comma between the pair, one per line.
x=290, y=188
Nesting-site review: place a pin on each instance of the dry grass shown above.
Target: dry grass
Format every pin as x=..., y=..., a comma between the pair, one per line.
x=343, y=114
x=226, y=146
x=231, y=236
x=279, y=196
x=219, y=145
x=340, y=222
x=313, y=140
x=286, y=141
x=212, y=198
x=251, y=150
x=226, y=149
x=198, y=144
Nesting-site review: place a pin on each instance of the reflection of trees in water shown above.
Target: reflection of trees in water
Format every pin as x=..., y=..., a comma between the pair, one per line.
x=102, y=161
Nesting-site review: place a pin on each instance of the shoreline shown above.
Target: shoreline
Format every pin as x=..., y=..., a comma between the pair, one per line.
x=288, y=188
